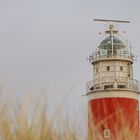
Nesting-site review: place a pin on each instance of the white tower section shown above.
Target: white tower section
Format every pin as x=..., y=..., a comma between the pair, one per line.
x=112, y=63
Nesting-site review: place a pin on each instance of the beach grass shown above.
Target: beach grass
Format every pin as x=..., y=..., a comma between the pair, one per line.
x=20, y=123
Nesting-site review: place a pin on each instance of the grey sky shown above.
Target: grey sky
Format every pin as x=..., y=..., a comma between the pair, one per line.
x=44, y=44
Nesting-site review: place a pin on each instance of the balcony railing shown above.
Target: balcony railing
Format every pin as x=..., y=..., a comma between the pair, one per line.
x=130, y=84
x=97, y=56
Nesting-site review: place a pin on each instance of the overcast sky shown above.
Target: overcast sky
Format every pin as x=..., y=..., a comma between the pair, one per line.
x=44, y=45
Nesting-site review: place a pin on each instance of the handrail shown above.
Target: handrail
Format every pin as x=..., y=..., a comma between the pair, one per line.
x=95, y=57
x=130, y=84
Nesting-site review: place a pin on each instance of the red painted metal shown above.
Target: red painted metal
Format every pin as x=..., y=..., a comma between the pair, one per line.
x=115, y=114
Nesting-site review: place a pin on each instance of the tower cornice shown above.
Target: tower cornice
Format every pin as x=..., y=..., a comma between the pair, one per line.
x=97, y=59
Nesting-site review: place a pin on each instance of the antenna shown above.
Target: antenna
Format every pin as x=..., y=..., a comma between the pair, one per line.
x=110, y=20
x=111, y=30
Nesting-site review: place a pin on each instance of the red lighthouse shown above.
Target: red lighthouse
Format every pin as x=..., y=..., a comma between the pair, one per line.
x=113, y=93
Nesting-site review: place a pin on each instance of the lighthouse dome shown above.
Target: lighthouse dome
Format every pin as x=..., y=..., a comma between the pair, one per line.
x=107, y=42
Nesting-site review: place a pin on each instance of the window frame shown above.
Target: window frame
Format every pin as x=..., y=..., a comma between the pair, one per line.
x=108, y=68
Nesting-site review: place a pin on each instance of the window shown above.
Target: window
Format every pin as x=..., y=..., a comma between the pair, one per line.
x=107, y=133
x=121, y=68
x=97, y=87
x=108, y=86
x=121, y=86
x=108, y=68
x=96, y=69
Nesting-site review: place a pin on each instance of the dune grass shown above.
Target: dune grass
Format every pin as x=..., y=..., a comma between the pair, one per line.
x=21, y=123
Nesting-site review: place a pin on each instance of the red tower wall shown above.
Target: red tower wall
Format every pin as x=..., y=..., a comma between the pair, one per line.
x=116, y=114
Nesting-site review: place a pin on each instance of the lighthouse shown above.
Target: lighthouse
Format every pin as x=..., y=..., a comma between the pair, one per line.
x=113, y=106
